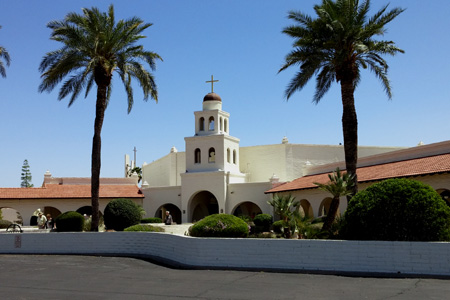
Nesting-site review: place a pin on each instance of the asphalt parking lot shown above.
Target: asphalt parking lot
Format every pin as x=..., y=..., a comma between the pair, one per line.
x=88, y=277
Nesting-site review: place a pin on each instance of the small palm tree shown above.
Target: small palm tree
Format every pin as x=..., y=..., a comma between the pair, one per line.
x=4, y=55
x=334, y=47
x=285, y=206
x=339, y=185
x=94, y=46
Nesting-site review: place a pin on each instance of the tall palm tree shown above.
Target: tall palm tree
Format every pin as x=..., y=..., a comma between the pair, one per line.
x=339, y=185
x=4, y=55
x=334, y=47
x=94, y=47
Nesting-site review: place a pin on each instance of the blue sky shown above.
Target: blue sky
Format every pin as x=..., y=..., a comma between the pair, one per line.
x=241, y=44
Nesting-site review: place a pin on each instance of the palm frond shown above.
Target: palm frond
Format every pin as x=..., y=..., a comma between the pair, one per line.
x=95, y=45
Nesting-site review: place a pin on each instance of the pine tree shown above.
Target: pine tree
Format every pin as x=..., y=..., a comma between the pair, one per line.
x=26, y=175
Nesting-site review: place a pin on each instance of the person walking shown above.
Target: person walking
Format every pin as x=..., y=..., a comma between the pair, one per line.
x=41, y=220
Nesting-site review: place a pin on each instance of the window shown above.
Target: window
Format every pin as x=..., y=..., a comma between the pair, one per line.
x=198, y=156
x=201, y=124
x=211, y=124
x=211, y=155
x=225, y=125
x=234, y=157
x=228, y=155
x=221, y=124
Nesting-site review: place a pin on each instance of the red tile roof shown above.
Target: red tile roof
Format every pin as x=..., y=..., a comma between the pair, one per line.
x=436, y=164
x=61, y=191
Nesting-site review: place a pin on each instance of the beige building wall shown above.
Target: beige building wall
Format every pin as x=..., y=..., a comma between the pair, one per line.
x=165, y=171
x=157, y=197
x=316, y=197
x=26, y=207
x=259, y=163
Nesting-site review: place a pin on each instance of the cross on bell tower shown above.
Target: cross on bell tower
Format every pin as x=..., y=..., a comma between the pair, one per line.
x=212, y=83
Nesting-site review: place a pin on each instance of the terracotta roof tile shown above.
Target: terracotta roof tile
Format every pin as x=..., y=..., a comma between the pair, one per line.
x=406, y=168
x=57, y=191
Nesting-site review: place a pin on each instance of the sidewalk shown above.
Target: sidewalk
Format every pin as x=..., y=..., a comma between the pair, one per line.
x=33, y=229
x=178, y=229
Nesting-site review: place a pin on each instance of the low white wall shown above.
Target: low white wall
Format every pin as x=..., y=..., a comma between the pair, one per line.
x=321, y=256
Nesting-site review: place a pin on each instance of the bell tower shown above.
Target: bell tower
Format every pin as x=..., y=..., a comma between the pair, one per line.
x=212, y=148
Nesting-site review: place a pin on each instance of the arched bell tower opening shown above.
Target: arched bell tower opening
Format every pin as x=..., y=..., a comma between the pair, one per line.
x=203, y=204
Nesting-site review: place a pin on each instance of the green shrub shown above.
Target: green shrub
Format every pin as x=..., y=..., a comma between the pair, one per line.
x=140, y=227
x=246, y=218
x=277, y=226
x=397, y=210
x=70, y=221
x=317, y=220
x=152, y=220
x=5, y=223
x=121, y=213
x=220, y=225
x=263, y=222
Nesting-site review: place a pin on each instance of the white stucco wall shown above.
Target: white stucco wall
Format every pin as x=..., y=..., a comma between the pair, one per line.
x=158, y=196
x=193, y=183
x=165, y=171
x=239, y=193
x=320, y=256
x=259, y=163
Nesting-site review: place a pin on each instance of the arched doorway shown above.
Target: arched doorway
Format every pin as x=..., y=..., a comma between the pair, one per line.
x=306, y=208
x=11, y=215
x=174, y=211
x=247, y=209
x=203, y=204
x=324, y=207
x=85, y=210
x=52, y=211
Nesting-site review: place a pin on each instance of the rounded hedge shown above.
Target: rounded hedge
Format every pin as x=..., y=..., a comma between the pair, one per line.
x=397, y=210
x=220, y=225
x=70, y=221
x=148, y=228
x=277, y=226
x=121, y=213
x=152, y=220
x=263, y=222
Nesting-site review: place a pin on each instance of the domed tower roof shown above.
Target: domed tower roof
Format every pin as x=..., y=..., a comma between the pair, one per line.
x=212, y=97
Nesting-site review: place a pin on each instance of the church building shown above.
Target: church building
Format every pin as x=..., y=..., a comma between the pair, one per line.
x=216, y=175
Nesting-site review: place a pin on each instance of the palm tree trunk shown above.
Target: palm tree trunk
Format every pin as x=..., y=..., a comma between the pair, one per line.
x=331, y=215
x=96, y=155
x=350, y=130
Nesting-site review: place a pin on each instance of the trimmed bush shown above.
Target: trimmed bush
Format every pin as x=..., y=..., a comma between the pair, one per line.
x=121, y=213
x=277, y=226
x=263, y=222
x=148, y=228
x=397, y=210
x=220, y=225
x=70, y=221
x=151, y=220
x=4, y=224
